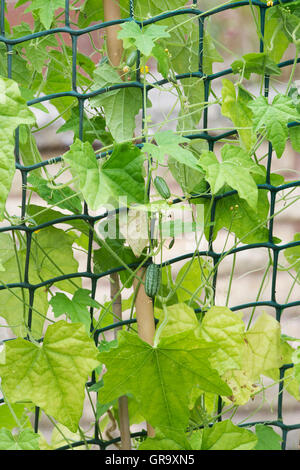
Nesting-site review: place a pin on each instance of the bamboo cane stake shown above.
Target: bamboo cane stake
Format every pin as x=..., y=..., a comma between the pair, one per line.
x=114, y=50
x=143, y=304
x=123, y=401
x=145, y=319
x=114, y=45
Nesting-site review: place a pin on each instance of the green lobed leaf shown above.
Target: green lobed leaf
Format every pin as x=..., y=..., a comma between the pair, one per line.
x=273, y=119
x=52, y=256
x=46, y=15
x=62, y=196
x=172, y=441
x=7, y=417
x=168, y=143
x=235, y=107
x=75, y=309
x=236, y=170
x=193, y=277
x=24, y=440
x=263, y=351
x=142, y=38
x=90, y=11
x=234, y=213
x=157, y=376
x=268, y=439
x=127, y=101
x=255, y=62
x=121, y=175
x=13, y=112
x=227, y=436
x=224, y=328
x=53, y=375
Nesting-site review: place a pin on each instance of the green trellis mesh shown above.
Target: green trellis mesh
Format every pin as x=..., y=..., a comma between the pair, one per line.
x=91, y=220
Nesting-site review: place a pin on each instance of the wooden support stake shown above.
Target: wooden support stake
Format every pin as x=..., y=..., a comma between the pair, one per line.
x=114, y=45
x=145, y=318
x=123, y=401
x=143, y=304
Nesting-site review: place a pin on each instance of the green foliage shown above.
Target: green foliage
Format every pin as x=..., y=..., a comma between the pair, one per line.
x=268, y=439
x=128, y=102
x=143, y=39
x=75, y=309
x=156, y=376
x=205, y=360
x=13, y=111
x=114, y=178
x=67, y=356
x=24, y=440
x=236, y=170
x=273, y=119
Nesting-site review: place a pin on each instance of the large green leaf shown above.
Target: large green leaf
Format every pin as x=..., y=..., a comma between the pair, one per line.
x=75, y=309
x=226, y=329
x=60, y=196
x=160, y=377
x=120, y=176
x=120, y=106
x=255, y=62
x=52, y=256
x=142, y=38
x=13, y=112
x=182, y=321
x=227, y=436
x=193, y=277
x=92, y=127
x=24, y=440
x=173, y=441
x=263, y=351
x=268, y=439
x=235, y=107
x=90, y=11
x=274, y=118
x=11, y=416
x=236, y=170
x=169, y=144
x=53, y=375
x=235, y=214
x=46, y=15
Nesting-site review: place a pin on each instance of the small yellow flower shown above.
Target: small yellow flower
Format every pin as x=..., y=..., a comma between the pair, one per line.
x=37, y=231
x=126, y=69
x=144, y=70
x=269, y=3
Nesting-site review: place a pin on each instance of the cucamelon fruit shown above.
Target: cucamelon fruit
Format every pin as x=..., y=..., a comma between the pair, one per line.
x=152, y=279
x=162, y=187
x=131, y=59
